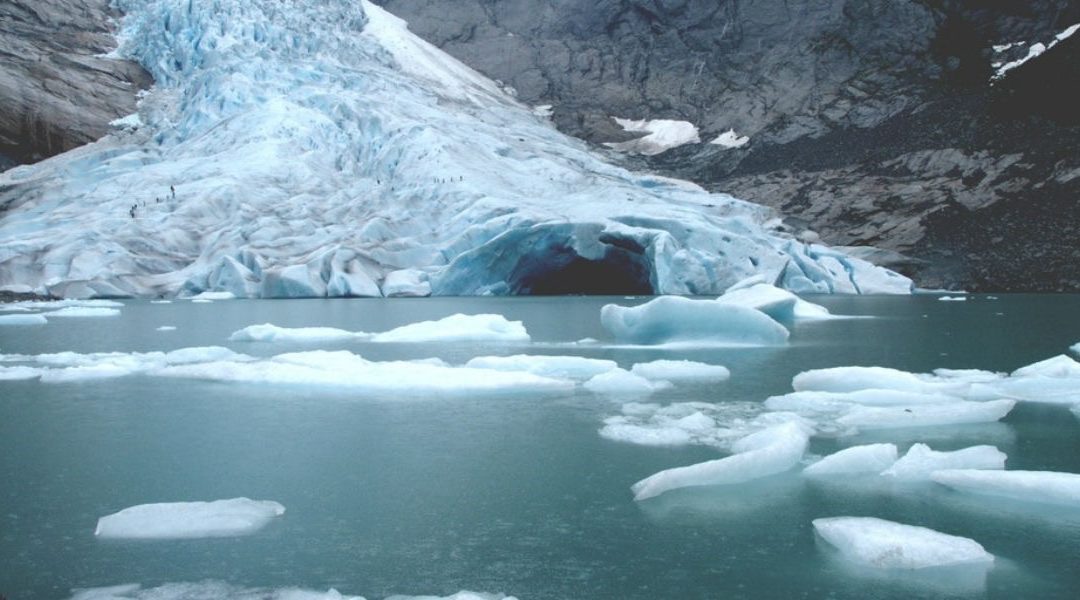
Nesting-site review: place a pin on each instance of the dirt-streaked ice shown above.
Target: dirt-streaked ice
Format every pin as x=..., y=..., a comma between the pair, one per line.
x=888, y=545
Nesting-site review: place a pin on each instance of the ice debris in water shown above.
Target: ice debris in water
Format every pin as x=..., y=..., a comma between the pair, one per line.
x=166, y=328
x=779, y=304
x=18, y=373
x=73, y=366
x=380, y=378
x=203, y=590
x=1045, y=487
x=212, y=296
x=677, y=320
x=455, y=328
x=888, y=545
x=620, y=382
x=83, y=312
x=920, y=461
x=179, y=520
x=766, y=452
x=23, y=319
x=871, y=458
x=462, y=595
x=566, y=367
x=955, y=413
x=700, y=423
x=680, y=370
x=263, y=129
x=853, y=379
x=952, y=299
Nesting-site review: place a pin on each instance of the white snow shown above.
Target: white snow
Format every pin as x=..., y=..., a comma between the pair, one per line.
x=1075, y=349
x=617, y=382
x=1045, y=487
x=212, y=296
x=23, y=319
x=920, y=461
x=871, y=458
x=129, y=122
x=730, y=139
x=888, y=545
x=956, y=413
x=779, y=304
x=396, y=379
x=680, y=370
x=565, y=367
x=320, y=150
x=758, y=455
x=180, y=520
x=677, y=320
x=661, y=135
x=79, y=312
x=1035, y=50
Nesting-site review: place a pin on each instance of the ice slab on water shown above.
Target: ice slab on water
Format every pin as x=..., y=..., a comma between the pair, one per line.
x=17, y=373
x=177, y=520
x=680, y=370
x=888, y=545
x=702, y=423
x=871, y=458
x=779, y=304
x=758, y=455
x=1058, y=366
x=212, y=296
x=63, y=367
x=458, y=328
x=203, y=590
x=21, y=319
x=677, y=320
x=956, y=413
x=851, y=379
x=920, y=461
x=268, y=332
x=1046, y=487
x=565, y=367
x=378, y=378
x=83, y=312
x=462, y=595
x=166, y=328
x=618, y=382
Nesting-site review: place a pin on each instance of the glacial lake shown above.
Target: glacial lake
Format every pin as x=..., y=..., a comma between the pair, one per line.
x=511, y=494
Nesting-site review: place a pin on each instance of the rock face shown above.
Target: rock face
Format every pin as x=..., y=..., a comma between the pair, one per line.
x=872, y=122
x=57, y=88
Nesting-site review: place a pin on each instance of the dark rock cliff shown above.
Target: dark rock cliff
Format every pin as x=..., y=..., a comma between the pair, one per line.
x=57, y=89
x=871, y=122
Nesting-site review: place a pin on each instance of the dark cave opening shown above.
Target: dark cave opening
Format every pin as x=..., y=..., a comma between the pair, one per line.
x=562, y=271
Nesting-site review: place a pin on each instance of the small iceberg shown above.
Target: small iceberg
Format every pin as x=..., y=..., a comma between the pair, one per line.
x=853, y=379
x=622, y=382
x=956, y=413
x=870, y=458
x=455, y=328
x=1045, y=487
x=564, y=367
x=80, y=312
x=767, y=452
x=166, y=328
x=920, y=461
x=683, y=423
x=23, y=319
x=680, y=370
x=268, y=332
x=889, y=545
x=678, y=320
x=779, y=304
x=185, y=520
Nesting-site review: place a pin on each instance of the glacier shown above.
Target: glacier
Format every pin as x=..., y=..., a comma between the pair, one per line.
x=321, y=149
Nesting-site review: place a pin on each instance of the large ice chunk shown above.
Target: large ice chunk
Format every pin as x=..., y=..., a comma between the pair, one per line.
x=920, y=461
x=1058, y=366
x=888, y=545
x=458, y=328
x=83, y=312
x=779, y=304
x=680, y=370
x=851, y=379
x=1047, y=487
x=871, y=458
x=566, y=367
x=175, y=520
x=268, y=332
x=674, y=320
x=617, y=382
x=20, y=319
x=717, y=425
x=956, y=413
x=758, y=455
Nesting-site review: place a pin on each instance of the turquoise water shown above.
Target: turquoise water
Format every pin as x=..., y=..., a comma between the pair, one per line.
x=514, y=495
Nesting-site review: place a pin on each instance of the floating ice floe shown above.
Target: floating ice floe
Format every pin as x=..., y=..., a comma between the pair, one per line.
x=1075, y=349
x=378, y=378
x=17, y=373
x=83, y=312
x=618, y=382
x=767, y=452
x=952, y=299
x=203, y=590
x=853, y=379
x=888, y=545
x=1045, y=487
x=565, y=367
x=180, y=520
x=463, y=595
x=920, y=461
x=701, y=423
x=677, y=320
x=779, y=304
x=72, y=366
x=871, y=458
x=955, y=413
x=166, y=328
x=680, y=370
x=455, y=328
x=21, y=319
x=213, y=296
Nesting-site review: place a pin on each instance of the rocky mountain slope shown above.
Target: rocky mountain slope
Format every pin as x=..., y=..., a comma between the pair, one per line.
x=869, y=122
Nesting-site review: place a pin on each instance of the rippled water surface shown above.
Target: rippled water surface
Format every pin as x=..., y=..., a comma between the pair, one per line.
x=518, y=495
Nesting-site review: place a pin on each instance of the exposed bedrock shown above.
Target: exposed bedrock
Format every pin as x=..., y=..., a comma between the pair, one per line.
x=870, y=122
x=58, y=89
